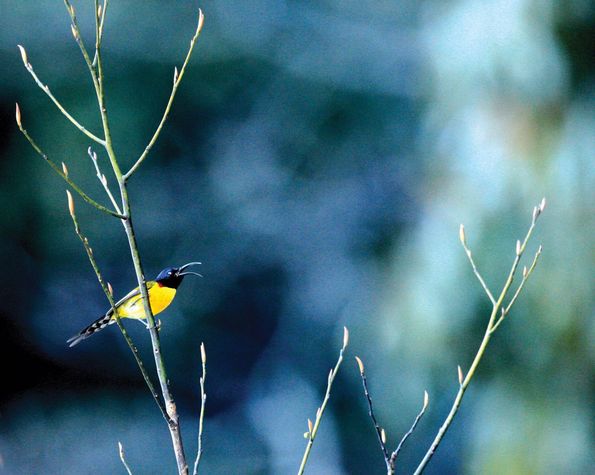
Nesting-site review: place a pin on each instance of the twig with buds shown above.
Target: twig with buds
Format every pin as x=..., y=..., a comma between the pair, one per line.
x=95, y=66
x=63, y=171
x=313, y=426
x=497, y=316
x=123, y=459
x=109, y=293
x=49, y=93
x=177, y=79
x=102, y=179
x=203, y=400
x=391, y=459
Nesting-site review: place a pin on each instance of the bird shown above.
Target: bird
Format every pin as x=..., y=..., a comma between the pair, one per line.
x=161, y=291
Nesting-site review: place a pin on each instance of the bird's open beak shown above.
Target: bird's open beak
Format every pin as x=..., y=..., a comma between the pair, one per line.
x=185, y=266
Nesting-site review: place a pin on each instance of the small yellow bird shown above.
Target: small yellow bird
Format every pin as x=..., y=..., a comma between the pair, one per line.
x=161, y=291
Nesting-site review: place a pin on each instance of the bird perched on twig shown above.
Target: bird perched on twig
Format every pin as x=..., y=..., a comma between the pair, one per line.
x=161, y=291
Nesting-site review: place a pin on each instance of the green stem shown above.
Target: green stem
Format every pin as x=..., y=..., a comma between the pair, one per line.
x=492, y=325
x=319, y=413
x=177, y=80
x=203, y=400
x=67, y=179
x=98, y=82
x=110, y=298
x=60, y=107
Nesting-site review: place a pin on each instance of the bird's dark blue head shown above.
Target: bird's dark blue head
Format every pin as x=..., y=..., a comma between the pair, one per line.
x=172, y=276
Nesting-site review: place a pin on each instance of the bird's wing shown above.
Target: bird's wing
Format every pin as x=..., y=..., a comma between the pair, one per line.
x=130, y=295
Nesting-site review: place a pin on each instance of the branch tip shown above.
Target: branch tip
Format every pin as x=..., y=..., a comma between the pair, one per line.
x=23, y=55
x=201, y=20
x=460, y=372
x=65, y=169
x=310, y=426
x=462, y=235
x=70, y=204
x=345, y=337
x=110, y=289
x=518, y=248
x=203, y=354
x=360, y=364
x=542, y=204
x=426, y=400
x=18, y=115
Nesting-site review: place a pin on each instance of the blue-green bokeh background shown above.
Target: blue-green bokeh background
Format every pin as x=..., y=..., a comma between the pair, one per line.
x=318, y=160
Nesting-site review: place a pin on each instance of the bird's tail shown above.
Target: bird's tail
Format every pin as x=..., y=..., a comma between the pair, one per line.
x=86, y=332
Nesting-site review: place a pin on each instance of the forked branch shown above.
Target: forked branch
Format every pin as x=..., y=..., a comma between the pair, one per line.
x=314, y=426
x=390, y=460
x=176, y=83
x=497, y=316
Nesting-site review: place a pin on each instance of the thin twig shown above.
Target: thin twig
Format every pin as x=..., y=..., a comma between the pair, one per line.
x=465, y=380
x=395, y=454
x=60, y=107
x=110, y=297
x=170, y=406
x=518, y=290
x=177, y=80
x=76, y=32
x=475, y=271
x=121, y=452
x=313, y=428
x=378, y=429
x=203, y=400
x=102, y=179
x=64, y=176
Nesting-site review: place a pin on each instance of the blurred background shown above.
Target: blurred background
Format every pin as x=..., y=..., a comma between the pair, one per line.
x=319, y=159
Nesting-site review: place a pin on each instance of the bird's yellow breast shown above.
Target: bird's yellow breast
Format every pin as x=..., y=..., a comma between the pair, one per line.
x=160, y=298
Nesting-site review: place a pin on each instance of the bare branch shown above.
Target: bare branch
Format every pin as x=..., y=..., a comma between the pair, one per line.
x=203, y=400
x=493, y=324
x=102, y=179
x=313, y=430
x=121, y=452
x=107, y=290
x=60, y=107
x=395, y=454
x=379, y=431
x=475, y=271
x=526, y=274
x=64, y=175
x=177, y=81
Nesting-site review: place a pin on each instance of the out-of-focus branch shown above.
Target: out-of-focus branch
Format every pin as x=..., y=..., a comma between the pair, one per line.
x=123, y=459
x=313, y=427
x=395, y=454
x=380, y=433
x=391, y=459
x=498, y=309
x=475, y=271
x=203, y=400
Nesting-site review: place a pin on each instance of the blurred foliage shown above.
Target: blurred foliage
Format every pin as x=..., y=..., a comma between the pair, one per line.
x=319, y=159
